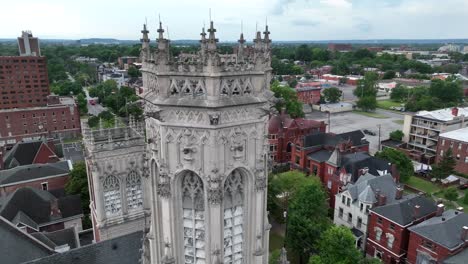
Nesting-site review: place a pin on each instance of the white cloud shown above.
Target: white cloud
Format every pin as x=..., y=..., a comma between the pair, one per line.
x=337, y=3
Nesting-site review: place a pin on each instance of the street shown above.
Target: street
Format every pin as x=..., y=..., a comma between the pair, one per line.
x=95, y=109
x=349, y=121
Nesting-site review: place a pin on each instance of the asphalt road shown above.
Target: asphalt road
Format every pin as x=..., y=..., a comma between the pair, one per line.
x=349, y=121
x=93, y=109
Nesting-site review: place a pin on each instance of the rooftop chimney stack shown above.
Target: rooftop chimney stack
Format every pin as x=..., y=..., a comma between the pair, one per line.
x=440, y=209
x=464, y=234
x=455, y=111
x=399, y=193
x=382, y=199
x=416, y=211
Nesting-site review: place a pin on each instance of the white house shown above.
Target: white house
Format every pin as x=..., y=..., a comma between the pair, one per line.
x=353, y=203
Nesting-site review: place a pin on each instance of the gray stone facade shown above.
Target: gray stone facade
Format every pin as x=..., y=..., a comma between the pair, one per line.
x=206, y=120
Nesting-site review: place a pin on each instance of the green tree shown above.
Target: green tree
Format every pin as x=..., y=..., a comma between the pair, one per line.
x=366, y=91
x=82, y=104
x=303, y=53
x=451, y=194
x=389, y=75
x=78, y=184
x=93, y=121
x=396, y=135
x=400, y=93
x=288, y=99
x=448, y=91
x=133, y=72
x=402, y=162
x=307, y=218
x=336, y=246
x=465, y=198
x=445, y=166
x=274, y=256
x=332, y=94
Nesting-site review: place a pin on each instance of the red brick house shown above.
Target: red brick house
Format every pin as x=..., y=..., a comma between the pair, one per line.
x=457, y=140
x=388, y=233
x=283, y=132
x=438, y=238
x=309, y=92
x=30, y=152
x=337, y=159
x=50, y=176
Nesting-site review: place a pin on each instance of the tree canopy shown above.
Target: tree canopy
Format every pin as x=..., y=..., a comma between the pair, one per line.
x=78, y=184
x=445, y=166
x=402, y=162
x=288, y=99
x=332, y=94
x=366, y=92
x=396, y=135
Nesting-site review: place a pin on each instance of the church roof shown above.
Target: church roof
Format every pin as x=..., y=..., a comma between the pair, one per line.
x=33, y=171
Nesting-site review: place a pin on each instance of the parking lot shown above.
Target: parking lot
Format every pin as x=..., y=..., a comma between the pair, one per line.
x=349, y=121
x=73, y=152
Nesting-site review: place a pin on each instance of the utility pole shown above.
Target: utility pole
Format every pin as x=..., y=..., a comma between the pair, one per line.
x=379, y=125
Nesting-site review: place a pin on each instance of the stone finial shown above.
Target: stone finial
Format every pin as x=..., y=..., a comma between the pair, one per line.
x=160, y=31
x=145, y=32
x=283, y=259
x=266, y=34
x=203, y=35
x=212, y=38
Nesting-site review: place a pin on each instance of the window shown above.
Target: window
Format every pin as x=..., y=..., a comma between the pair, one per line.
x=466, y=159
x=340, y=212
x=378, y=233
x=378, y=254
x=112, y=199
x=359, y=223
x=428, y=244
x=134, y=192
x=233, y=218
x=441, y=153
x=193, y=209
x=45, y=186
x=392, y=226
x=343, y=199
x=348, y=202
x=379, y=220
x=443, y=142
x=361, y=207
x=390, y=239
x=350, y=217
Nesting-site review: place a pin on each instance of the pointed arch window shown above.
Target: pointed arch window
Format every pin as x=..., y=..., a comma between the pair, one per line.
x=234, y=218
x=133, y=190
x=193, y=207
x=112, y=197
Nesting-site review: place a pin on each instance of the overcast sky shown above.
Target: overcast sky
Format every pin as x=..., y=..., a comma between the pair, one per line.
x=288, y=19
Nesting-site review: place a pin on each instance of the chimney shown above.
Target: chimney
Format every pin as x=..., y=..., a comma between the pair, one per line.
x=455, y=111
x=464, y=234
x=395, y=173
x=54, y=209
x=382, y=199
x=440, y=209
x=283, y=110
x=399, y=193
x=416, y=211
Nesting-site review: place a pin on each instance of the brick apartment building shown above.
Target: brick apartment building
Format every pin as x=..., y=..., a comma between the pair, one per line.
x=309, y=92
x=283, y=131
x=457, y=140
x=388, y=233
x=27, y=111
x=439, y=238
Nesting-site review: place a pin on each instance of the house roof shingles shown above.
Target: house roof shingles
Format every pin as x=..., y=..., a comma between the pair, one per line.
x=401, y=212
x=33, y=171
x=445, y=230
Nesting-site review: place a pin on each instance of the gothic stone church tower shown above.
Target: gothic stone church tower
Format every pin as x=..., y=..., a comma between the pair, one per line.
x=206, y=117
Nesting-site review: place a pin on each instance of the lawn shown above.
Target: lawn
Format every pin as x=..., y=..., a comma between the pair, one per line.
x=386, y=104
x=370, y=114
x=423, y=185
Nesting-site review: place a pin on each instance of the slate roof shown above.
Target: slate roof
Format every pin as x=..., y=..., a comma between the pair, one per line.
x=365, y=188
x=33, y=171
x=401, y=212
x=58, y=238
x=122, y=250
x=353, y=162
x=320, y=156
x=22, y=153
x=444, y=230
x=459, y=258
x=35, y=206
x=357, y=138
x=17, y=246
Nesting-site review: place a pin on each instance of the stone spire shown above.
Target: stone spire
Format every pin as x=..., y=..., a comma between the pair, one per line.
x=203, y=41
x=212, y=38
x=258, y=41
x=160, y=31
x=283, y=259
x=240, y=50
x=162, y=56
x=266, y=35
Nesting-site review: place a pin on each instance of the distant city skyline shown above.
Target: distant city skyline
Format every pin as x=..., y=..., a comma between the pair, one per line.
x=288, y=19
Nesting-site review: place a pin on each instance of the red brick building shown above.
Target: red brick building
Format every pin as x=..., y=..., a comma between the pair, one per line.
x=23, y=82
x=388, y=234
x=51, y=176
x=58, y=119
x=457, y=140
x=337, y=159
x=30, y=152
x=438, y=238
x=309, y=92
x=283, y=132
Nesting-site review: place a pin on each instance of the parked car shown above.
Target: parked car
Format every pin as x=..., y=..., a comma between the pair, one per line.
x=463, y=186
x=369, y=132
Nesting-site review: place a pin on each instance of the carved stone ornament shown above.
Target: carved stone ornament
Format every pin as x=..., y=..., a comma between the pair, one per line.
x=260, y=183
x=145, y=171
x=215, y=194
x=164, y=186
x=214, y=119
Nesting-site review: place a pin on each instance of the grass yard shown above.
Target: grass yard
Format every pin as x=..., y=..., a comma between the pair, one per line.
x=386, y=104
x=370, y=114
x=400, y=122
x=276, y=241
x=423, y=185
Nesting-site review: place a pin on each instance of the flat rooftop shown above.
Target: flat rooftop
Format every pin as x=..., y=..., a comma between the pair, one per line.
x=443, y=114
x=459, y=134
